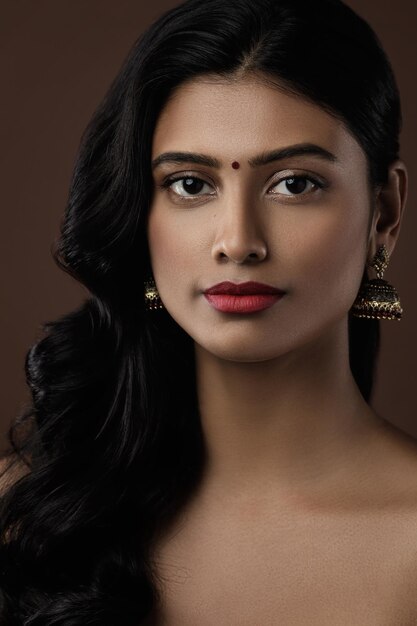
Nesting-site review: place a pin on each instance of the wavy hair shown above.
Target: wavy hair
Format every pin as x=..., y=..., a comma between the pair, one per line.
x=112, y=441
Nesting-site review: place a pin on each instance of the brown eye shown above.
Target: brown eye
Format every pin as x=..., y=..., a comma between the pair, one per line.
x=296, y=185
x=188, y=186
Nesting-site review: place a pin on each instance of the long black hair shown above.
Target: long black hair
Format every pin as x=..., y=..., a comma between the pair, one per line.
x=112, y=440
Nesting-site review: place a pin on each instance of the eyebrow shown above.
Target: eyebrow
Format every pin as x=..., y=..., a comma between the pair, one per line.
x=287, y=152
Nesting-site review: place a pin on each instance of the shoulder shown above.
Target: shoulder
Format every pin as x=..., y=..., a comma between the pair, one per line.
x=388, y=473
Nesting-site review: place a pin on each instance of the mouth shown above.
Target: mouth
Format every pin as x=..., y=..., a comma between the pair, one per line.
x=246, y=297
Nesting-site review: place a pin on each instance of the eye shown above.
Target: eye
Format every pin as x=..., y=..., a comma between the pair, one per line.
x=296, y=185
x=187, y=186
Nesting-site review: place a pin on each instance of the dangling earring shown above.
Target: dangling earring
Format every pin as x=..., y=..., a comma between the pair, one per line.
x=377, y=299
x=152, y=299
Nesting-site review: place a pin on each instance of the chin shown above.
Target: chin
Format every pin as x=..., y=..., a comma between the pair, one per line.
x=241, y=351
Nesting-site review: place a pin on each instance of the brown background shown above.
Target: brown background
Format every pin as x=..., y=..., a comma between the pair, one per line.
x=57, y=59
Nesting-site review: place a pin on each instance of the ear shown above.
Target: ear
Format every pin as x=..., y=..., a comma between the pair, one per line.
x=390, y=201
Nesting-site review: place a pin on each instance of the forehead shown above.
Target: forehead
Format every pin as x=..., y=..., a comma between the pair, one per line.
x=239, y=118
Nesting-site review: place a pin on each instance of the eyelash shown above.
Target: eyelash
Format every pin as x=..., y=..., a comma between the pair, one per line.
x=173, y=179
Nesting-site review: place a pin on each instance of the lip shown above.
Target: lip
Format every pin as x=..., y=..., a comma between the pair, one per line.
x=243, y=289
x=246, y=297
x=229, y=303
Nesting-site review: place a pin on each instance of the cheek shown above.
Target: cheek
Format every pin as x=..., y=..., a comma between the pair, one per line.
x=170, y=249
x=330, y=254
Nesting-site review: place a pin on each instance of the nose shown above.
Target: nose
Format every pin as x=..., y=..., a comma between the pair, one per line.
x=239, y=237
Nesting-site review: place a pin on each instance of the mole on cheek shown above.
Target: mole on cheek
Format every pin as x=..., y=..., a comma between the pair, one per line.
x=235, y=165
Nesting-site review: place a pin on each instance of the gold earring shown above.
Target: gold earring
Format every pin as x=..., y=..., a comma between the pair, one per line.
x=152, y=299
x=377, y=299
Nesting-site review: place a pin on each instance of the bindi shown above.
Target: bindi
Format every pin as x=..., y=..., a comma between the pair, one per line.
x=235, y=165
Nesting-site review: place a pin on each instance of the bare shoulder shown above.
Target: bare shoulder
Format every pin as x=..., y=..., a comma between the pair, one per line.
x=12, y=468
x=397, y=450
x=398, y=455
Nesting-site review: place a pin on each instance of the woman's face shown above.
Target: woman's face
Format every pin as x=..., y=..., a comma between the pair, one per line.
x=298, y=223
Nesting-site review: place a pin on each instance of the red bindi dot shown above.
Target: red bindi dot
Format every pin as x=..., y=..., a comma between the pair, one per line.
x=235, y=165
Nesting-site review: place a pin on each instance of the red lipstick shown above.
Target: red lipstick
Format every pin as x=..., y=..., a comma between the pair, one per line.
x=246, y=297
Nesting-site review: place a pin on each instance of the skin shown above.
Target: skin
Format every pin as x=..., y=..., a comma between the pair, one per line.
x=288, y=433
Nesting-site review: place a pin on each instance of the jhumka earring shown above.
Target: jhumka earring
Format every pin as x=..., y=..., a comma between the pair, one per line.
x=377, y=299
x=152, y=299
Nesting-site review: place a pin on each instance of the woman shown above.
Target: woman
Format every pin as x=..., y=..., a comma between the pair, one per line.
x=203, y=450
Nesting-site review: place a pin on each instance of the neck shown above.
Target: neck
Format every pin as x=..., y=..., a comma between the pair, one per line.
x=286, y=422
